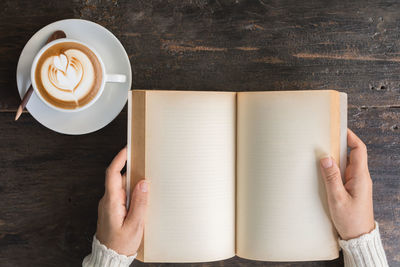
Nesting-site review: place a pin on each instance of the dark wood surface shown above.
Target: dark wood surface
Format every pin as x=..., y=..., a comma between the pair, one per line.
x=50, y=183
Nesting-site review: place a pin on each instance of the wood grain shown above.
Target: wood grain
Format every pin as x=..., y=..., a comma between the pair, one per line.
x=50, y=187
x=50, y=183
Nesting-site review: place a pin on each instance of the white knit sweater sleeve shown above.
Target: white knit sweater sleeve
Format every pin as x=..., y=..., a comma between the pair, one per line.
x=102, y=256
x=364, y=251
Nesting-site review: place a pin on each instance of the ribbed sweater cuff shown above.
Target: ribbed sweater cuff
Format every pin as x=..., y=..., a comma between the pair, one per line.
x=105, y=257
x=364, y=251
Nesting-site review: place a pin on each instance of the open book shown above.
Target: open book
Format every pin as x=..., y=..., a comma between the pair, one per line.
x=235, y=173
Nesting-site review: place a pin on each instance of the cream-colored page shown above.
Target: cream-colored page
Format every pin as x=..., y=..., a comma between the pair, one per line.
x=190, y=162
x=282, y=214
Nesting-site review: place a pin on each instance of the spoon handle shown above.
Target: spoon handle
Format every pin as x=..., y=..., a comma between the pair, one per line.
x=27, y=96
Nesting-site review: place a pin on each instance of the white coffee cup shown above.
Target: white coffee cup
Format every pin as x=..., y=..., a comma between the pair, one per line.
x=114, y=78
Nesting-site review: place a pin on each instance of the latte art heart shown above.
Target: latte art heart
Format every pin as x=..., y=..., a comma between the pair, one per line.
x=68, y=75
x=65, y=74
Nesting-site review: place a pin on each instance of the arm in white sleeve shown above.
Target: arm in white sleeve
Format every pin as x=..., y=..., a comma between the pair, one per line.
x=364, y=251
x=102, y=256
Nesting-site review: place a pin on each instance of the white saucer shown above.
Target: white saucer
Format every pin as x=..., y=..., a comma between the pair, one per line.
x=114, y=96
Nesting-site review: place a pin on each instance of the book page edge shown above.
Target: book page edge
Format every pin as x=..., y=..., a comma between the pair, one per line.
x=335, y=126
x=128, y=156
x=343, y=133
x=136, y=148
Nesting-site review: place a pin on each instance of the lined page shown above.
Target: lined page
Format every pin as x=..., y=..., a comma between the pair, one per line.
x=282, y=213
x=190, y=163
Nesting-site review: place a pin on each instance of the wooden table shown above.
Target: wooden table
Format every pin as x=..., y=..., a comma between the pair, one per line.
x=50, y=183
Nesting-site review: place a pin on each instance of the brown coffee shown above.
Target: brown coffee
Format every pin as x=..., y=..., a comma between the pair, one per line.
x=68, y=75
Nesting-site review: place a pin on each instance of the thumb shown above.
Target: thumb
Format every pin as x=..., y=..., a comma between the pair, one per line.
x=138, y=206
x=333, y=182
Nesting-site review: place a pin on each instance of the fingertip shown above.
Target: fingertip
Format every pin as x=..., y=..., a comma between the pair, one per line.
x=358, y=153
x=138, y=202
x=326, y=162
x=119, y=161
x=329, y=169
x=142, y=186
x=123, y=153
x=353, y=141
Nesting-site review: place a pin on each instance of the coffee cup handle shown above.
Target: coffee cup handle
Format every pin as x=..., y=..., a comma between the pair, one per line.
x=115, y=78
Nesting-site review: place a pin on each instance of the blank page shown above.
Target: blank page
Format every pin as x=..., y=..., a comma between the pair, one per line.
x=282, y=214
x=190, y=163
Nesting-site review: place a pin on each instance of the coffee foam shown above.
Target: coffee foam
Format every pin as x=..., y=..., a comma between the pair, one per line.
x=68, y=75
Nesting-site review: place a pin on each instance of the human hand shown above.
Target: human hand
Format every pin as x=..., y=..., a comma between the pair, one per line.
x=350, y=204
x=117, y=228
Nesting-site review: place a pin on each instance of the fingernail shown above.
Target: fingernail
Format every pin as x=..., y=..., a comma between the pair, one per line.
x=144, y=186
x=326, y=162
